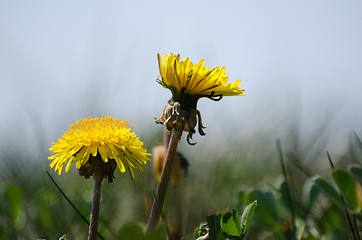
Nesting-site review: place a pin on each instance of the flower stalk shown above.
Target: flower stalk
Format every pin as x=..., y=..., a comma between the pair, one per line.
x=98, y=177
x=98, y=146
x=188, y=83
x=160, y=195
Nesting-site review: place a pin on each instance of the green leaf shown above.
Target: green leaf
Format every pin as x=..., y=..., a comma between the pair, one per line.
x=230, y=224
x=268, y=210
x=246, y=216
x=313, y=195
x=13, y=197
x=357, y=171
x=348, y=187
x=329, y=190
x=131, y=231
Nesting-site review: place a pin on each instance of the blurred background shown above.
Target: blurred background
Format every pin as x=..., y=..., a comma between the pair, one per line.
x=299, y=62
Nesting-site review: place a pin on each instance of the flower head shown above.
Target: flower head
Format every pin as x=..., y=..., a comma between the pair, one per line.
x=105, y=139
x=188, y=82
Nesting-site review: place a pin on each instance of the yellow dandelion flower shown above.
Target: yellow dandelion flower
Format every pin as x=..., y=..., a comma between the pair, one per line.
x=107, y=138
x=188, y=82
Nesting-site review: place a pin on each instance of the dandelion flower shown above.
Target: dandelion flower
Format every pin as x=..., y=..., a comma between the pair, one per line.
x=107, y=139
x=188, y=82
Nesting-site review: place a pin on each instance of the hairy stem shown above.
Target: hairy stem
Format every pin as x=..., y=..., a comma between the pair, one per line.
x=165, y=175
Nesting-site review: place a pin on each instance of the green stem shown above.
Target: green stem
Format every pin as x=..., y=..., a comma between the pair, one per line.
x=165, y=175
x=98, y=177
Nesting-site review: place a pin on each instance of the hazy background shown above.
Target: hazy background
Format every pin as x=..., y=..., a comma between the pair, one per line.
x=300, y=64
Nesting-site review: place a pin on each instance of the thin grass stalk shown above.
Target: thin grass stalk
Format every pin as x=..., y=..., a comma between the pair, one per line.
x=71, y=204
x=356, y=226
x=68, y=200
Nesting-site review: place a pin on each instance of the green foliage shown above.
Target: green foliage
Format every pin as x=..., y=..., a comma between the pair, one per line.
x=357, y=172
x=226, y=225
x=329, y=190
x=346, y=195
x=268, y=210
x=246, y=216
x=230, y=224
x=283, y=215
x=312, y=196
x=348, y=187
x=305, y=206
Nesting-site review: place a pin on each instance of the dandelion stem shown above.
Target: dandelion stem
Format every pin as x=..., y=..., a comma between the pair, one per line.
x=166, y=138
x=98, y=177
x=165, y=174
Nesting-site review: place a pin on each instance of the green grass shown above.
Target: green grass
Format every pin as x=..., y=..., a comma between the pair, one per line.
x=32, y=208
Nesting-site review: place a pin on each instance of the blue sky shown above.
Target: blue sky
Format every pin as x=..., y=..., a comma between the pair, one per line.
x=299, y=62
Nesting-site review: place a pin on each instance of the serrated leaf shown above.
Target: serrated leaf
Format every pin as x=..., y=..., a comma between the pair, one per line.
x=230, y=224
x=246, y=216
x=329, y=190
x=348, y=188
